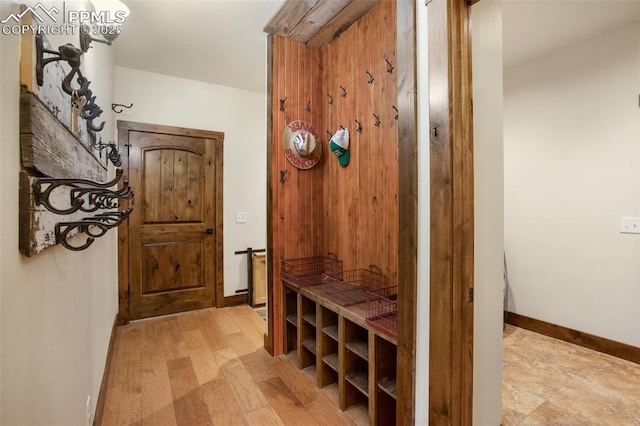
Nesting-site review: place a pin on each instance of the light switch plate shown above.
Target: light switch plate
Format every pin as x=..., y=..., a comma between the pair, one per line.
x=241, y=217
x=630, y=225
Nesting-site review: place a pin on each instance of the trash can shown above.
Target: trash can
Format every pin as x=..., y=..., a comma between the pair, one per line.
x=259, y=279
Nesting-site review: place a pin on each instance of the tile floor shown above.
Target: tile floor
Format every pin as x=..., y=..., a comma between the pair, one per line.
x=550, y=382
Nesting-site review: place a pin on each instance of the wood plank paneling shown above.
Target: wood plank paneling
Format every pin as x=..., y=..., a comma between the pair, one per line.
x=317, y=18
x=289, y=16
x=361, y=199
x=343, y=20
x=296, y=205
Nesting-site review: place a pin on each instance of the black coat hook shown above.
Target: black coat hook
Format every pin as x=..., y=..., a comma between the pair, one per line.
x=308, y=107
x=344, y=92
x=342, y=127
x=377, y=123
x=118, y=108
x=370, y=81
x=282, y=101
x=359, y=128
x=330, y=99
x=394, y=107
x=389, y=66
x=330, y=135
x=282, y=173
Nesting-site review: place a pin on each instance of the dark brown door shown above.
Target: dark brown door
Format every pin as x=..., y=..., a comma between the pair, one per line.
x=171, y=233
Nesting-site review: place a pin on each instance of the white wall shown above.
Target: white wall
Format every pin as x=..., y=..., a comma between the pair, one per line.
x=572, y=150
x=486, y=37
x=57, y=308
x=241, y=115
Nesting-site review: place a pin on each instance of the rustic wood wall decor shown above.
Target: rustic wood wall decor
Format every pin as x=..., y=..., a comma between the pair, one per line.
x=64, y=159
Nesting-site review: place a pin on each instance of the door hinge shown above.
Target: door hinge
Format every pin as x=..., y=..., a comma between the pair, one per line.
x=471, y=295
x=128, y=145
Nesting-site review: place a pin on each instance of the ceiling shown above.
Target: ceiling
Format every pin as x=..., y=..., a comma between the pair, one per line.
x=533, y=28
x=215, y=41
x=222, y=41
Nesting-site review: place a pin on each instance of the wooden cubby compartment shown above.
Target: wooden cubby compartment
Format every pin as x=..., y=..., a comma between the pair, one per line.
x=327, y=358
x=356, y=365
x=306, y=332
x=348, y=355
x=385, y=375
x=291, y=320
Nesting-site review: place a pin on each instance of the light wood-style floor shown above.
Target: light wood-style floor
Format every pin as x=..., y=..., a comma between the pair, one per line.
x=209, y=368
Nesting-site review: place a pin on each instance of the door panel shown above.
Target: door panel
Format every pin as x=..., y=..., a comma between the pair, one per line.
x=171, y=230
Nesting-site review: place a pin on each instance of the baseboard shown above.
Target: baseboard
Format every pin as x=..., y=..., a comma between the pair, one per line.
x=106, y=376
x=235, y=300
x=600, y=344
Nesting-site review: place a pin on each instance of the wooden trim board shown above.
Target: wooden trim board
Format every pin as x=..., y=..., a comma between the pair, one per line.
x=586, y=340
x=106, y=375
x=235, y=300
x=407, y=211
x=451, y=275
x=270, y=332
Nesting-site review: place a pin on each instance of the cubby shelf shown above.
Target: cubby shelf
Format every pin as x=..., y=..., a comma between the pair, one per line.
x=341, y=348
x=310, y=319
x=331, y=331
x=388, y=385
x=310, y=344
x=332, y=361
x=359, y=348
x=359, y=380
x=292, y=319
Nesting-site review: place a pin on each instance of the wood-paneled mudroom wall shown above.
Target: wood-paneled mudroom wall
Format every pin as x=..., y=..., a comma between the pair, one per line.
x=350, y=211
x=361, y=200
x=297, y=204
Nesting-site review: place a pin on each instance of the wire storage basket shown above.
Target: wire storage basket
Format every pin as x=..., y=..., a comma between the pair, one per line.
x=382, y=309
x=306, y=271
x=350, y=287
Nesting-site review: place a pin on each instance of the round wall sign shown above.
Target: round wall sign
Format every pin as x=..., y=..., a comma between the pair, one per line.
x=301, y=145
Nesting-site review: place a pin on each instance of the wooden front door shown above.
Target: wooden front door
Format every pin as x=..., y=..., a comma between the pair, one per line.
x=174, y=233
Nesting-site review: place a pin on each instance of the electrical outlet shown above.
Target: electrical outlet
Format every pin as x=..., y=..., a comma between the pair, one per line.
x=241, y=217
x=88, y=410
x=630, y=225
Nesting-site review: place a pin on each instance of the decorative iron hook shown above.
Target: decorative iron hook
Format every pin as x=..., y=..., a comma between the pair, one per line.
x=330, y=99
x=394, y=107
x=330, y=135
x=86, y=39
x=118, y=108
x=389, y=66
x=77, y=200
x=308, y=107
x=68, y=53
x=377, y=123
x=370, y=81
x=282, y=101
x=344, y=92
x=94, y=227
x=359, y=128
x=282, y=173
x=342, y=127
